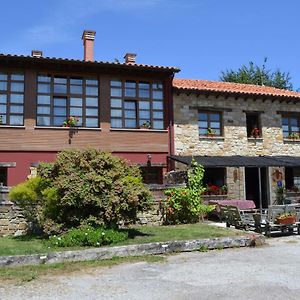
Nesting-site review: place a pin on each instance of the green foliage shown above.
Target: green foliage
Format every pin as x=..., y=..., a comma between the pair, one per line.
x=88, y=236
x=83, y=186
x=258, y=75
x=184, y=205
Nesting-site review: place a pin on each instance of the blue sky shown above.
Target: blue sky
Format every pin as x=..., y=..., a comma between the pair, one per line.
x=201, y=37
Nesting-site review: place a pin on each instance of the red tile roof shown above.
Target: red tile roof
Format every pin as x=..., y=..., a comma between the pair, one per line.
x=99, y=63
x=231, y=88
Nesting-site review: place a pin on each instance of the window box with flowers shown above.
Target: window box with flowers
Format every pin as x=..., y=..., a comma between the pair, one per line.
x=294, y=136
x=71, y=122
x=286, y=219
x=210, y=132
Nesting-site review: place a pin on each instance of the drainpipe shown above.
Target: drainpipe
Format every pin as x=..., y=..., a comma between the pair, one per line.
x=260, y=193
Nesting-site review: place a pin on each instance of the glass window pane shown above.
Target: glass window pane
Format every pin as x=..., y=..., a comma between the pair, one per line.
x=144, y=93
x=91, y=122
x=129, y=105
x=91, y=112
x=116, y=113
x=285, y=127
x=217, y=131
x=130, y=93
x=60, y=102
x=91, y=81
x=44, y=88
x=16, y=76
x=203, y=116
x=130, y=84
x=144, y=114
x=3, y=99
x=157, y=86
x=144, y=105
x=76, y=101
x=203, y=124
x=116, y=102
x=130, y=114
x=130, y=123
x=295, y=128
x=76, y=81
x=116, y=92
x=215, y=125
x=43, y=110
x=116, y=83
x=58, y=121
x=91, y=102
x=214, y=117
x=17, y=87
x=144, y=85
x=293, y=121
x=157, y=95
x=43, y=99
x=3, y=119
x=44, y=78
x=202, y=131
x=16, y=120
x=158, y=115
x=143, y=121
x=285, y=121
x=3, y=85
x=157, y=105
x=3, y=76
x=43, y=121
x=16, y=98
x=116, y=123
x=16, y=109
x=92, y=91
x=158, y=124
x=60, y=88
x=285, y=134
x=76, y=89
x=2, y=109
x=59, y=111
x=61, y=80
x=75, y=111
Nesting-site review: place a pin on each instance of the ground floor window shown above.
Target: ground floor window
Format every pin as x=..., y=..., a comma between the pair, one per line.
x=292, y=179
x=152, y=175
x=3, y=176
x=215, y=180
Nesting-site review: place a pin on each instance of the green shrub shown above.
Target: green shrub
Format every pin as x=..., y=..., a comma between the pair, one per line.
x=88, y=236
x=184, y=205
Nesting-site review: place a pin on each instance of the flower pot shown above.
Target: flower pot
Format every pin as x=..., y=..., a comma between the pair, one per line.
x=286, y=221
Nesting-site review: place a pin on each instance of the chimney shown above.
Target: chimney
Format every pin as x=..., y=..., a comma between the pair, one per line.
x=130, y=58
x=37, y=53
x=88, y=37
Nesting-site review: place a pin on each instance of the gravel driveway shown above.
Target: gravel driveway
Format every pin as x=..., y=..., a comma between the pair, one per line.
x=268, y=272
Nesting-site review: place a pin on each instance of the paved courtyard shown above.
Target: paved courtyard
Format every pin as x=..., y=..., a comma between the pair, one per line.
x=268, y=272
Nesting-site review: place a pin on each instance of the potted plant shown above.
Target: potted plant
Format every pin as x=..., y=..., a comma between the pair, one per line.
x=224, y=189
x=210, y=132
x=1, y=120
x=70, y=121
x=255, y=132
x=146, y=125
x=286, y=219
x=293, y=135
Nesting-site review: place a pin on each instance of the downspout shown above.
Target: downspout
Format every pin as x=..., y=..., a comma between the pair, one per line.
x=171, y=164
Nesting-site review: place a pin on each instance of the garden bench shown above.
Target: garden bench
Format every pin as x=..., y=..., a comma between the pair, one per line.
x=267, y=223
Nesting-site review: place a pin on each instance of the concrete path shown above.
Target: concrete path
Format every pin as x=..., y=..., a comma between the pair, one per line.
x=268, y=272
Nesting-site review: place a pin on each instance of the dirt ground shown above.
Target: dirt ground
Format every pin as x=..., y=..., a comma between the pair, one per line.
x=268, y=272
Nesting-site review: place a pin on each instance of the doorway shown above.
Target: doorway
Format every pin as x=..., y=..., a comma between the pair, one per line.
x=252, y=186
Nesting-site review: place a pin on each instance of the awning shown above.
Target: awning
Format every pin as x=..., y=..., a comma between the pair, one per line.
x=240, y=161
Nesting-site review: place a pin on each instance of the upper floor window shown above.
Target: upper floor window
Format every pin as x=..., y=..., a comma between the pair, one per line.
x=210, y=123
x=61, y=97
x=253, y=125
x=136, y=104
x=11, y=98
x=290, y=126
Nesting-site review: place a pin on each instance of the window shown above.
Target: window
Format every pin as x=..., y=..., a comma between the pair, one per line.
x=290, y=126
x=210, y=123
x=11, y=98
x=152, y=175
x=214, y=180
x=136, y=103
x=3, y=176
x=253, y=125
x=60, y=97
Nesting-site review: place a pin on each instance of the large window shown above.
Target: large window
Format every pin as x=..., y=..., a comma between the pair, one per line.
x=290, y=126
x=210, y=123
x=11, y=98
x=136, y=104
x=60, y=97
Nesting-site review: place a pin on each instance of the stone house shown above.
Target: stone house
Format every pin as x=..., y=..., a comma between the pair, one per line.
x=246, y=137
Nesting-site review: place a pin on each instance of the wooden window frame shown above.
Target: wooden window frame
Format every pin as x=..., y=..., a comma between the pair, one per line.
x=137, y=99
x=289, y=116
x=209, y=112
x=68, y=95
x=9, y=93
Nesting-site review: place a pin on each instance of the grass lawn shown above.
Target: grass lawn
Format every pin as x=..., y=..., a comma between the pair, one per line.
x=138, y=235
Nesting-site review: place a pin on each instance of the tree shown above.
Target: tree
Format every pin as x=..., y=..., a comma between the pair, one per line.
x=258, y=75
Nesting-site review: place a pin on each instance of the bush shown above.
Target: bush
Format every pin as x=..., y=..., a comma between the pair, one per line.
x=84, y=185
x=184, y=205
x=88, y=236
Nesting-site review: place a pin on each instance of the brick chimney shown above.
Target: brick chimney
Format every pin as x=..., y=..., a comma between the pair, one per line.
x=130, y=58
x=88, y=37
x=37, y=53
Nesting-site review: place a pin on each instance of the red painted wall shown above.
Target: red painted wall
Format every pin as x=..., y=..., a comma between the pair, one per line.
x=24, y=160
